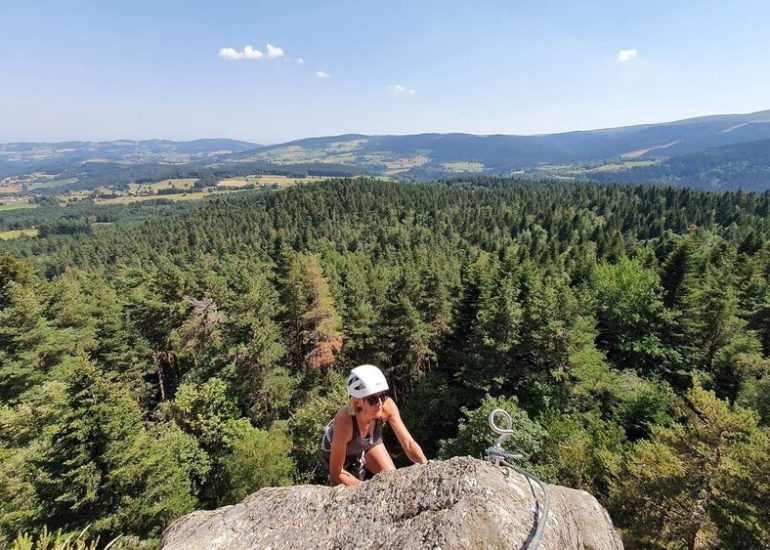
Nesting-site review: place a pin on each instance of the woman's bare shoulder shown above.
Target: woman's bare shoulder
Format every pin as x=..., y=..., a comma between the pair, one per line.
x=389, y=409
x=343, y=420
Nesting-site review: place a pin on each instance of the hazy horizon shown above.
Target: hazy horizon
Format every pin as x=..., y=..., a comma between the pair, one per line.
x=150, y=138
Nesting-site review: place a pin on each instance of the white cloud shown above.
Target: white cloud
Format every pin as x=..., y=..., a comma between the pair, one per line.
x=229, y=53
x=400, y=89
x=627, y=55
x=321, y=74
x=273, y=51
x=249, y=52
x=301, y=61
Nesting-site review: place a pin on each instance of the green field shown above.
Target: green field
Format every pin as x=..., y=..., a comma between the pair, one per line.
x=148, y=192
x=237, y=183
x=464, y=166
x=17, y=234
x=270, y=179
x=144, y=198
x=142, y=191
x=616, y=167
x=406, y=162
x=189, y=196
x=182, y=183
x=51, y=184
x=267, y=179
x=17, y=206
x=73, y=196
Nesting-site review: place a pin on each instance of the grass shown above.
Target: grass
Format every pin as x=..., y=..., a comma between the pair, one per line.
x=51, y=183
x=73, y=196
x=292, y=154
x=605, y=168
x=281, y=181
x=198, y=195
x=12, y=184
x=36, y=176
x=342, y=158
x=184, y=187
x=639, y=152
x=464, y=166
x=338, y=151
x=616, y=167
x=235, y=183
x=635, y=163
x=190, y=196
x=268, y=179
x=17, y=234
x=17, y=206
x=393, y=173
x=180, y=183
x=346, y=146
x=406, y=162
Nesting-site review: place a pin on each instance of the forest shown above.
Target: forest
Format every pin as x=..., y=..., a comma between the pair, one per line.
x=737, y=166
x=184, y=360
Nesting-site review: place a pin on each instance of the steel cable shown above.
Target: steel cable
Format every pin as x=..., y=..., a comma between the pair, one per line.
x=498, y=456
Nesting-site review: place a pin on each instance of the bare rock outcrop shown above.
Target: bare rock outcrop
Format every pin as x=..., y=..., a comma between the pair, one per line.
x=462, y=503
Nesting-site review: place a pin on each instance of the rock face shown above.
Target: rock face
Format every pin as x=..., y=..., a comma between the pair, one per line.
x=459, y=503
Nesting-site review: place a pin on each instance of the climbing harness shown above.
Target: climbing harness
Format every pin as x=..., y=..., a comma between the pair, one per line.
x=499, y=457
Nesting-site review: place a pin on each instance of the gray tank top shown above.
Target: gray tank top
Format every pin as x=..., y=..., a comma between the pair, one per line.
x=357, y=445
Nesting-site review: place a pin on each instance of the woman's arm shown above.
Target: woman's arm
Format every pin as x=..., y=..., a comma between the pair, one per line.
x=410, y=446
x=343, y=433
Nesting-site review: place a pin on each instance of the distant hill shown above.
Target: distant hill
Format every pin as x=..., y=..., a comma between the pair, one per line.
x=24, y=155
x=712, y=152
x=400, y=155
x=741, y=165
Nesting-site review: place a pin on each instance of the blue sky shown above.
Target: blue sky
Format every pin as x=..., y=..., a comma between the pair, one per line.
x=166, y=68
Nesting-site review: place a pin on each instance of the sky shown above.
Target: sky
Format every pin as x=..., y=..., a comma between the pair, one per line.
x=269, y=72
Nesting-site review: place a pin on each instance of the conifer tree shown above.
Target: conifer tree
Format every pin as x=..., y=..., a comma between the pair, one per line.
x=681, y=484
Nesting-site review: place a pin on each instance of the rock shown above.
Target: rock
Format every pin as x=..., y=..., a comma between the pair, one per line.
x=459, y=503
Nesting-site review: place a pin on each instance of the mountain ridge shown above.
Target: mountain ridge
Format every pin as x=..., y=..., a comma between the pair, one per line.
x=500, y=153
x=627, y=153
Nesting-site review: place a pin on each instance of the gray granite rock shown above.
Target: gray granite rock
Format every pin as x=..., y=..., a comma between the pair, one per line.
x=462, y=503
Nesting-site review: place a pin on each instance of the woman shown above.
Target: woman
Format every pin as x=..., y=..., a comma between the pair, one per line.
x=352, y=441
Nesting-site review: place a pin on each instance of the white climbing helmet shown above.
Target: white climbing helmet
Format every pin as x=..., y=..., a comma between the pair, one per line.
x=366, y=380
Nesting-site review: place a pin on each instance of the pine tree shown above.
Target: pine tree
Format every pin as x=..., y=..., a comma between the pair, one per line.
x=682, y=291
x=680, y=484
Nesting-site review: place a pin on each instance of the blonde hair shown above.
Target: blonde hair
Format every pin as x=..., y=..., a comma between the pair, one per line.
x=352, y=406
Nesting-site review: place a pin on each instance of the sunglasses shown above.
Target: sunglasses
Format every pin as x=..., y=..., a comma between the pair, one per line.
x=375, y=399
